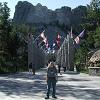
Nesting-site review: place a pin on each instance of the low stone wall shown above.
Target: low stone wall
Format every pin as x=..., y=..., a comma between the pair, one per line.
x=94, y=71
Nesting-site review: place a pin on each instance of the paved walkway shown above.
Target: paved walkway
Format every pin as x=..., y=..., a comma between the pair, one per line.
x=23, y=86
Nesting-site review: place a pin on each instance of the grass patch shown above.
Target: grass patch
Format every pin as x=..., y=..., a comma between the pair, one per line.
x=84, y=71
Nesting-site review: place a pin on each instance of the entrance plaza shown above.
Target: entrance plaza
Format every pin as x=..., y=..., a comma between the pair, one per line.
x=70, y=86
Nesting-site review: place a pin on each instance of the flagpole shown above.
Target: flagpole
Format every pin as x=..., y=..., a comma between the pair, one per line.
x=40, y=43
x=68, y=51
x=71, y=32
x=36, y=39
x=65, y=51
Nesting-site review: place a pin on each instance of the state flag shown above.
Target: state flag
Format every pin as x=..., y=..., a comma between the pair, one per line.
x=81, y=34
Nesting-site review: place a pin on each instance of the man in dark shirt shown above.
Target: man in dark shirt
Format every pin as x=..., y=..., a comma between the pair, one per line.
x=51, y=79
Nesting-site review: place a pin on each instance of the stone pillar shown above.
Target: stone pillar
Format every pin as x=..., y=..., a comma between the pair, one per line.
x=71, y=54
x=66, y=55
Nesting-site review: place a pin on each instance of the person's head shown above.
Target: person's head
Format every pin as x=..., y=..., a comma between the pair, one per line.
x=51, y=64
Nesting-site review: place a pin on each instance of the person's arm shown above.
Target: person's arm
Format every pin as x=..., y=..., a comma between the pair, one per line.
x=47, y=75
x=56, y=71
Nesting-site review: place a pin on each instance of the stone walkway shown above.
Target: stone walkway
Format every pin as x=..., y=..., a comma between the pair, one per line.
x=24, y=86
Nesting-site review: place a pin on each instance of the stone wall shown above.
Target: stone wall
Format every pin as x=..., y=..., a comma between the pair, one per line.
x=94, y=71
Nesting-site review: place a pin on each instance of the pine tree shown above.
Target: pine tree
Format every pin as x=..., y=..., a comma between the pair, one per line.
x=4, y=25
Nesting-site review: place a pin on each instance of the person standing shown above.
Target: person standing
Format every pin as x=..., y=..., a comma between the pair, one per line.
x=51, y=79
x=33, y=68
x=59, y=69
x=64, y=67
x=30, y=68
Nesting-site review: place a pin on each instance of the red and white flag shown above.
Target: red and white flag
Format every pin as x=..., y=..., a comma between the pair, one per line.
x=42, y=35
x=77, y=40
x=46, y=42
x=58, y=36
x=58, y=40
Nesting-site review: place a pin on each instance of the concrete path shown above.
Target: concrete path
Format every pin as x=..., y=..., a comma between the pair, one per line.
x=24, y=86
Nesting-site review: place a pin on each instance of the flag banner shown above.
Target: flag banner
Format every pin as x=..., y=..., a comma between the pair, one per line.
x=77, y=40
x=53, y=44
x=81, y=34
x=53, y=51
x=41, y=40
x=45, y=40
x=48, y=50
x=58, y=43
x=47, y=45
x=42, y=35
x=37, y=42
x=76, y=45
x=58, y=40
x=58, y=37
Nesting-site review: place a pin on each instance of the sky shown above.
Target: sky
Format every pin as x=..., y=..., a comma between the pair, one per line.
x=51, y=4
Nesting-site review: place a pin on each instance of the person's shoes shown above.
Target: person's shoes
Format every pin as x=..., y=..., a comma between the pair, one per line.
x=54, y=97
x=33, y=73
x=60, y=74
x=46, y=97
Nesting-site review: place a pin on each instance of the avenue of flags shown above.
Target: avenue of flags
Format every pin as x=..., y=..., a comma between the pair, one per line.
x=57, y=41
x=39, y=48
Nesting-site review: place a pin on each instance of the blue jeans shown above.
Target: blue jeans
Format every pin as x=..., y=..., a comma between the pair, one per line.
x=51, y=82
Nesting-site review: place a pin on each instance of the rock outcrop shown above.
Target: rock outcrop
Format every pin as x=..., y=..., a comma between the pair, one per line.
x=95, y=58
x=25, y=12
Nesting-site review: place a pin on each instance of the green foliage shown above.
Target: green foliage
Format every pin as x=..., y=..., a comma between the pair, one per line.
x=97, y=37
x=92, y=24
x=81, y=55
x=95, y=4
x=92, y=39
x=5, y=31
x=4, y=24
x=93, y=13
x=13, y=49
x=25, y=28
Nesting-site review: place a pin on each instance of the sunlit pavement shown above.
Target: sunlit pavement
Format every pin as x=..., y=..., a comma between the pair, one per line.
x=70, y=86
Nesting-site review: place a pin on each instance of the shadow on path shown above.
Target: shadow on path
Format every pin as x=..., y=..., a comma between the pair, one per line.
x=28, y=85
